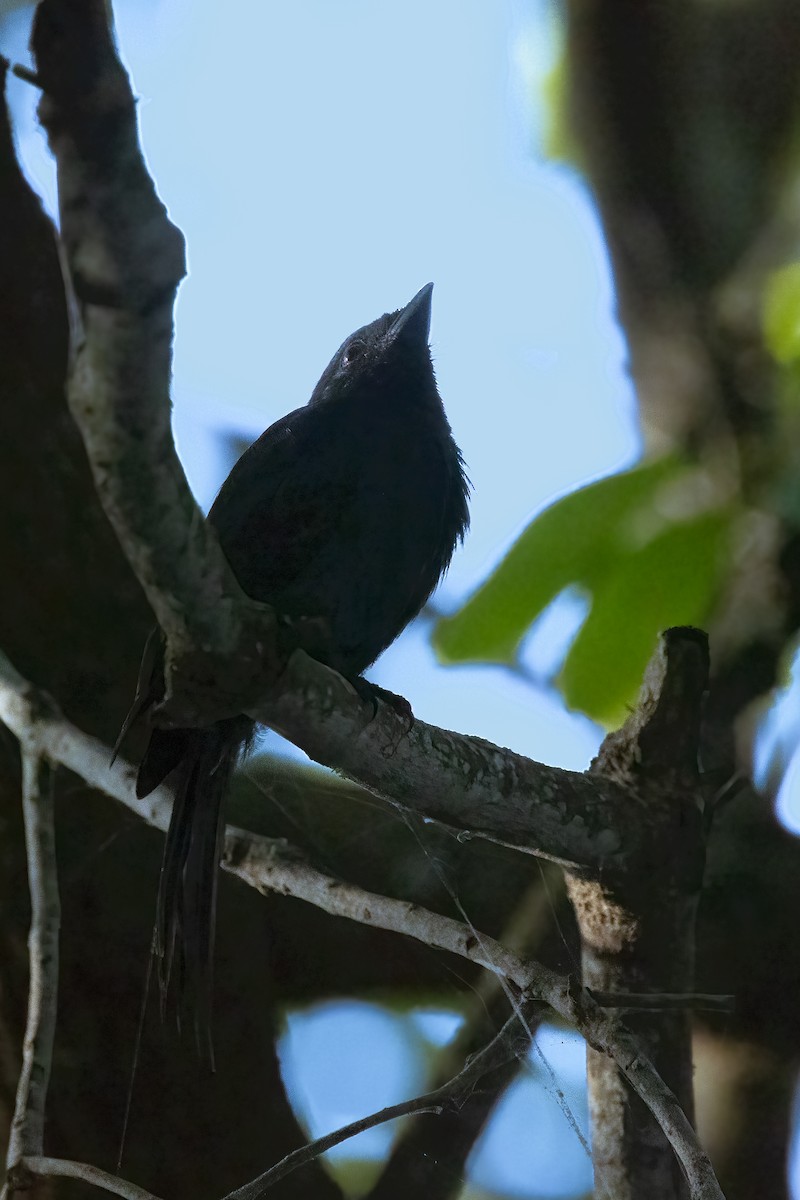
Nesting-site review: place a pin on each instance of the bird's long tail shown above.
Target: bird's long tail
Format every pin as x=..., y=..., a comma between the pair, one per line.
x=200, y=763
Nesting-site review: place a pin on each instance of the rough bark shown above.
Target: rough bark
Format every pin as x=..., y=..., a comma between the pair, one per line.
x=637, y=927
x=685, y=117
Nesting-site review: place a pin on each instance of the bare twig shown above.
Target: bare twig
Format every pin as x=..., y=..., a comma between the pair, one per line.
x=27, y=1127
x=25, y=74
x=21, y=71
x=510, y=1042
x=22, y=704
x=65, y=1168
x=654, y=1001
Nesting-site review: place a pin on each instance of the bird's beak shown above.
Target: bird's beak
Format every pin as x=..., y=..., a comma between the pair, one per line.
x=413, y=322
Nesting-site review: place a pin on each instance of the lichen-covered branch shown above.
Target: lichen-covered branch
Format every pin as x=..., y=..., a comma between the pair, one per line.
x=465, y=781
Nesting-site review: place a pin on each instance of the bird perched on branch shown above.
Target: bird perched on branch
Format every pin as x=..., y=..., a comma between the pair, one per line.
x=345, y=512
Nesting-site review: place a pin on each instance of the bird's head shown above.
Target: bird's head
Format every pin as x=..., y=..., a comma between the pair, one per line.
x=389, y=358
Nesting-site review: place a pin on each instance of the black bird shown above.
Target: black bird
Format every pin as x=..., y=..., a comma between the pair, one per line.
x=346, y=511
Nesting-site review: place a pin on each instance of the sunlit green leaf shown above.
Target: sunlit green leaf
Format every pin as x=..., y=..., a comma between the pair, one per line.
x=672, y=580
x=356, y=1175
x=559, y=141
x=781, y=314
x=577, y=540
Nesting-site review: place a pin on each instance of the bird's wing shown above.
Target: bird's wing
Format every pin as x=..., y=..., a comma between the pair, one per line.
x=282, y=505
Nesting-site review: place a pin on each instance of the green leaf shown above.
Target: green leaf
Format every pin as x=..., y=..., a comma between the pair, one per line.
x=559, y=141
x=672, y=580
x=781, y=314
x=576, y=540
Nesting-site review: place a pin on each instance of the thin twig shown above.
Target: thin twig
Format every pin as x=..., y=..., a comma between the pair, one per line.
x=27, y=1126
x=29, y=76
x=507, y=1044
x=22, y=704
x=65, y=1168
x=26, y=74
x=656, y=1001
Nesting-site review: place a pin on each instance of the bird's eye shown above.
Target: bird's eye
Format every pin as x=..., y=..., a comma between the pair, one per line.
x=353, y=351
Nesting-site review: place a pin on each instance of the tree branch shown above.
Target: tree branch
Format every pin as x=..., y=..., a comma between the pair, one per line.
x=27, y=1126
x=637, y=926
x=124, y=260
x=23, y=705
x=464, y=781
x=270, y=866
x=65, y=1168
x=664, y=1001
x=123, y=263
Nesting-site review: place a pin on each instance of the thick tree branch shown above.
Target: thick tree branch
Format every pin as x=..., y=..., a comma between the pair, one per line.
x=637, y=927
x=686, y=116
x=124, y=260
x=270, y=866
x=263, y=863
x=464, y=781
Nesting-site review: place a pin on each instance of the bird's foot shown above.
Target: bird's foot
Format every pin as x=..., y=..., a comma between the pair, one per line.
x=371, y=693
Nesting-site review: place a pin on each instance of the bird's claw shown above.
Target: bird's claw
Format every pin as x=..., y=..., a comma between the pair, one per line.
x=371, y=693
